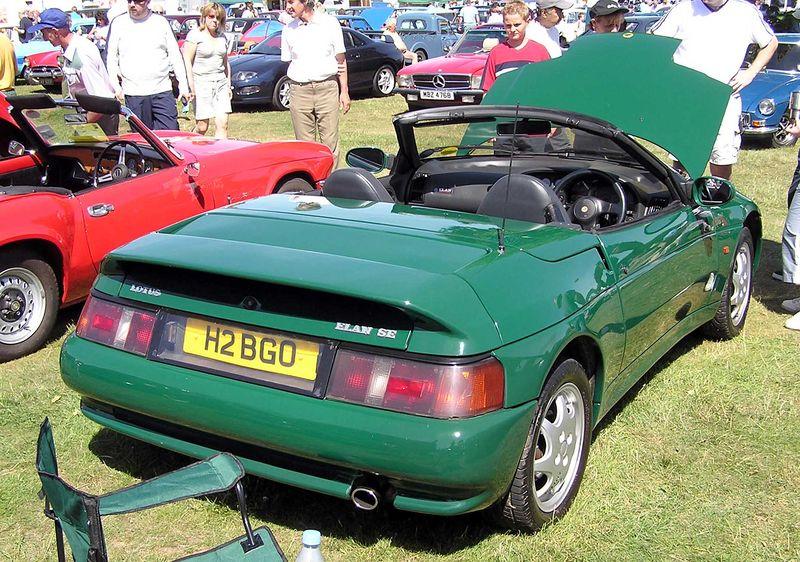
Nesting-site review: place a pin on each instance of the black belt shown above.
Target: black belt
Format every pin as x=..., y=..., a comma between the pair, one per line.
x=314, y=81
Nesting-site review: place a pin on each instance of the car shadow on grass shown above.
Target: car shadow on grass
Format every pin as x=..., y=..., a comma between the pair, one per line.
x=287, y=506
x=767, y=290
x=687, y=344
x=65, y=323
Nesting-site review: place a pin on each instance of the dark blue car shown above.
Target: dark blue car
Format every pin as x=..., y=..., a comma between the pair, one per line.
x=259, y=77
x=765, y=101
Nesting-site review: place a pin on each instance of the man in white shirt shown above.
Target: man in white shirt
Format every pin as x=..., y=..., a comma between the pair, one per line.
x=469, y=15
x=249, y=11
x=543, y=28
x=313, y=45
x=141, y=52
x=83, y=66
x=714, y=38
x=495, y=14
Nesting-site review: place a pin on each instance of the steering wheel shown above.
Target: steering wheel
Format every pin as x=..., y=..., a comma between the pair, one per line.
x=586, y=209
x=120, y=170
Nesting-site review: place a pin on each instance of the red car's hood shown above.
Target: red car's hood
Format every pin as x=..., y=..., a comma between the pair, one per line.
x=48, y=58
x=193, y=143
x=449, y=64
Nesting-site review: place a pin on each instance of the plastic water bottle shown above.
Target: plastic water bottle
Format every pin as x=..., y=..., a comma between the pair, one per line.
x=310, y=551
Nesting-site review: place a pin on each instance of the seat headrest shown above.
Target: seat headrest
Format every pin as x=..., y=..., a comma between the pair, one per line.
x=353, y=183
x=524, y=198
x=490, y=43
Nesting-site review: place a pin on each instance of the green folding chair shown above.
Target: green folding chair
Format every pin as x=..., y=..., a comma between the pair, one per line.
x=77, y=515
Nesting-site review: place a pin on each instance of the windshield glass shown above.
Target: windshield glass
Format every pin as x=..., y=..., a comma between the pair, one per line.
x=472, y=41
x=786, y=58
x=495, y=136
x=269, y=46
x=65, y=125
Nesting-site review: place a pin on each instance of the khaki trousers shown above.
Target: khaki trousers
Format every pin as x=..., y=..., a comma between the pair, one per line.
x=314, y=107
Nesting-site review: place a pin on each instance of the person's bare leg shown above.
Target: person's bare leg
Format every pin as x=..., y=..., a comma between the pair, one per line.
x=221, y=123
x=723, y=171
x=201, y=126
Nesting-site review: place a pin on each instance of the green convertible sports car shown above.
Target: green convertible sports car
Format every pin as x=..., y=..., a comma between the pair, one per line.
x=442, y=339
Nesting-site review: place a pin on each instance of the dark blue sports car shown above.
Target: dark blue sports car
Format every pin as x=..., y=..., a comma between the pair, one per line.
x=765, y=101
x=259, y=77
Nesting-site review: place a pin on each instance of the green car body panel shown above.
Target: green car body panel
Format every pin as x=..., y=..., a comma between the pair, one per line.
x=615, y=298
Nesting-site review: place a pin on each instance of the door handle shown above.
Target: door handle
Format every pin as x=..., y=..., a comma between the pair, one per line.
x=100, y=210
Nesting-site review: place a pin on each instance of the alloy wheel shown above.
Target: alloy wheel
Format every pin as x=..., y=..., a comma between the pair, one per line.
x=22, y=305
x=740, y=284
x=283, y=93
x=558, y=447
x=386, y=81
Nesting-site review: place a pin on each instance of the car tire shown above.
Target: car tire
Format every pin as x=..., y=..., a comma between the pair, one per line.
x=732, y=312
x=781, y=138
x=421, y=55
x=383, y=82
x=280, y=95
x=294, y=185
x=29, y=299
x=563, y=414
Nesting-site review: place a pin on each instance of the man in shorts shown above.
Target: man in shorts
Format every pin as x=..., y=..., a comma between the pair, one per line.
x=714, y=38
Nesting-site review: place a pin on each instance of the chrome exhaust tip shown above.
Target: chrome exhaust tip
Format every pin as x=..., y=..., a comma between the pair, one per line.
x=364, y=498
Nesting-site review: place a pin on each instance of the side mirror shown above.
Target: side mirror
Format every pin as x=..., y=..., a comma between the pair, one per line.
x=370, y=159
x=192, y=170
x=16, y=148
x=709, y=190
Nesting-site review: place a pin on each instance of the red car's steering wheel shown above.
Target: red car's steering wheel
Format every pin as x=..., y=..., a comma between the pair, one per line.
x=120, y=170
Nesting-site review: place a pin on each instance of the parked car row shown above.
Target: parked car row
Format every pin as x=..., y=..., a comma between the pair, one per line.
x=259, y=76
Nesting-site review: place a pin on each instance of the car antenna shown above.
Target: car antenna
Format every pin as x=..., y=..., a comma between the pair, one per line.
x=501, y=234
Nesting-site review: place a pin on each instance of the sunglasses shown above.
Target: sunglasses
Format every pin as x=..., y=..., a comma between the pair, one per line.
x=137, y=2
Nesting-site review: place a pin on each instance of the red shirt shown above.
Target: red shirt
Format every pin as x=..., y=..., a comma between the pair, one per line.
x=504, y=58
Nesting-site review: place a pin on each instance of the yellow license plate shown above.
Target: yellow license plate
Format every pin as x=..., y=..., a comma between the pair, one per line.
x=254, y=350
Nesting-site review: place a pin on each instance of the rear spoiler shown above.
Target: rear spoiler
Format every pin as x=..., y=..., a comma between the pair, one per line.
x=411, y=292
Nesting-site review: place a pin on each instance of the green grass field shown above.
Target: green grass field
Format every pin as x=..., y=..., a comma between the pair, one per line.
x=701, y=460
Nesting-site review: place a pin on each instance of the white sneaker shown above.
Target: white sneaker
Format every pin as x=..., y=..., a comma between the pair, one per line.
x=792, y=306
x=777, y=275
x=793, y=323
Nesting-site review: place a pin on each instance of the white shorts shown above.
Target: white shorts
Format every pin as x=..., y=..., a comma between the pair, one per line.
x=213, y=96
x=729, y=138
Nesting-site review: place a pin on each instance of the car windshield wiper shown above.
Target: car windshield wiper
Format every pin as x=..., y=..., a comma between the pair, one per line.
x=583, y=154
x=431, y=151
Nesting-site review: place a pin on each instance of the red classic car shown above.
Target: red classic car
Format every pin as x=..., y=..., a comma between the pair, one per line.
x=69, y=194
x=454, y=78
x=42, y=69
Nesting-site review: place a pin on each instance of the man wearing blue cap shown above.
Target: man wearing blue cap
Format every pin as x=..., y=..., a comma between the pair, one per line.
x=83, y=67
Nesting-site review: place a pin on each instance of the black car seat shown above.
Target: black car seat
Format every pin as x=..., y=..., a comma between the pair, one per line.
x=353, y=183
x=524, y=198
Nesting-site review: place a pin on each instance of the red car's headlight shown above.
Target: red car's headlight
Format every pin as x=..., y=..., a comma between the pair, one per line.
x=441, y=391
x=120, y=326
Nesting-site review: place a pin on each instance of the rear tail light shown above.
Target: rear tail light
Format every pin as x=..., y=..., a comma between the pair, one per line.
x=116, y=325
x=440, y=391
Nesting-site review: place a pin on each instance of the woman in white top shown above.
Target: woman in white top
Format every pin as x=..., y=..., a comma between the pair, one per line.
x=208, y=70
